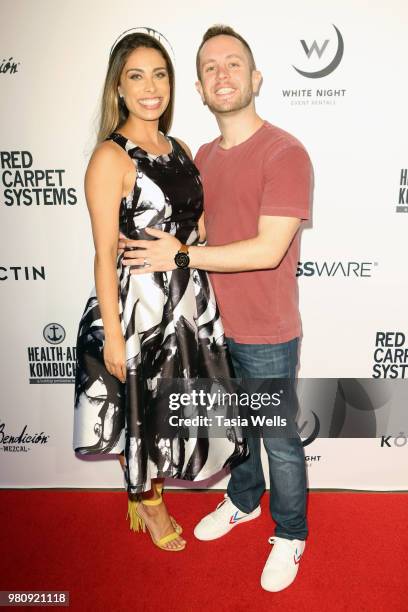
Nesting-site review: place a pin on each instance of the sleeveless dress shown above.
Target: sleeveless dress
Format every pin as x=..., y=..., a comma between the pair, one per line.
x=172, y=330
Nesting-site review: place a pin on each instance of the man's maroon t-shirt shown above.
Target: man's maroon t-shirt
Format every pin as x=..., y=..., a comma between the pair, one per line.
x=268, y=174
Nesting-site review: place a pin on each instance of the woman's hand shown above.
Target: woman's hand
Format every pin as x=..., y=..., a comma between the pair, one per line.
x=114, y=354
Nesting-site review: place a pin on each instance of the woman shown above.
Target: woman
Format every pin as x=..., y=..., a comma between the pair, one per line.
x=137, y=330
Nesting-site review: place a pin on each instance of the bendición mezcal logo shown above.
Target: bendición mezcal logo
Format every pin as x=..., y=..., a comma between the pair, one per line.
x=9, y=66
x=22, y=441
x=52, y=363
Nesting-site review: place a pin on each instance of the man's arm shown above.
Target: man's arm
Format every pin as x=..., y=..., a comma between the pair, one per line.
x=265, y=250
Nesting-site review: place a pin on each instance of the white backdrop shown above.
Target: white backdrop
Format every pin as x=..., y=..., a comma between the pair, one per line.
x=353, y=123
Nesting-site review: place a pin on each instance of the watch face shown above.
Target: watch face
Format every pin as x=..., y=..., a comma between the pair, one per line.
x=182, y=260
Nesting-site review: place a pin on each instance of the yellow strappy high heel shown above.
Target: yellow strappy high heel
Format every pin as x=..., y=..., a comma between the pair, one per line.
x=137, y=523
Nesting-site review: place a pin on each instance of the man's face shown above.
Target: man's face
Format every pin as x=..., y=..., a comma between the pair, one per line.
x=227, y=82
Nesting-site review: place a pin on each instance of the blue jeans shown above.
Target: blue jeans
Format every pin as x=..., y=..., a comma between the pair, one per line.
x=286, y=457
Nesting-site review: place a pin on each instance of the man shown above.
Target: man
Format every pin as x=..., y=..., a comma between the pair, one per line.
x=257, y=183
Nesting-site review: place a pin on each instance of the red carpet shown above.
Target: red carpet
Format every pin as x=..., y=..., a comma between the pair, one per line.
x=355, y=559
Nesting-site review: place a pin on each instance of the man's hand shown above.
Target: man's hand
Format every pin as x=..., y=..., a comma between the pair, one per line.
x=156, y=256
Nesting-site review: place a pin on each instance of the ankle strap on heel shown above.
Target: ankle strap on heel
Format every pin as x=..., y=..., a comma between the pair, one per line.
x=158, y=488
x=152, y=502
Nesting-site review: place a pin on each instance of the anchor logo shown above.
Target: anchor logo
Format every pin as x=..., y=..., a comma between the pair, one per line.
x=54, y=333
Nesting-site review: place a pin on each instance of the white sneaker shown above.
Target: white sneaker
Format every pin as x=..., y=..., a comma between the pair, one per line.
x=283, y=563
x=225, y=517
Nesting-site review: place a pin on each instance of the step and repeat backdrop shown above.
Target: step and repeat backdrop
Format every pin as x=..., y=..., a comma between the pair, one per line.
x=334, y=76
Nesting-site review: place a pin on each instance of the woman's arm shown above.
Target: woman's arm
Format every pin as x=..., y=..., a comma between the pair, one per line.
x=103, y=189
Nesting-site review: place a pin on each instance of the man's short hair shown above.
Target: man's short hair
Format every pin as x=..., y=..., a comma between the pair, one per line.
x=223, y=30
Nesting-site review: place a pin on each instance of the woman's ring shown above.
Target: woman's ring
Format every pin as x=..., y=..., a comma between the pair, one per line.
x=145, y=262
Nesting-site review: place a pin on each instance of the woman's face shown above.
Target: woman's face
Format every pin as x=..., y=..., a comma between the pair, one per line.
x=144, y=84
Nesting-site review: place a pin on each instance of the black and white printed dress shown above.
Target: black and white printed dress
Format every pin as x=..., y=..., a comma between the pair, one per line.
x=172, y=329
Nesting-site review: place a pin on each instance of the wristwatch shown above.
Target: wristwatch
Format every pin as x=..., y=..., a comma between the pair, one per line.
x=181, y=258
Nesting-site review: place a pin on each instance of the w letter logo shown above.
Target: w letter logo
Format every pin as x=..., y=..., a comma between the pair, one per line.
x=319, y=51
x=314, y=47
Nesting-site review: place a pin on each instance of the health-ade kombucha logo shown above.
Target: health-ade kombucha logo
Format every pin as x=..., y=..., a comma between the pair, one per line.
x=52, y=363
x=320, y=59
x=24, y=185
x=402, y=205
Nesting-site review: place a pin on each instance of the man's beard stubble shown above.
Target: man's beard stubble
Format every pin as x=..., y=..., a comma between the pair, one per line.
x=244, y=101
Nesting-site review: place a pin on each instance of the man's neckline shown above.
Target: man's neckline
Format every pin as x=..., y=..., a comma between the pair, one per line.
x=240, y=144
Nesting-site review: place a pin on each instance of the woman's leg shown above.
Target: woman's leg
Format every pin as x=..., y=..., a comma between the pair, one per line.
x=157, y=517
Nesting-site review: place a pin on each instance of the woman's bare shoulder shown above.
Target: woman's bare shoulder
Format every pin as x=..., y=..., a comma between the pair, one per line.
x=184, y=146
x=110, y=157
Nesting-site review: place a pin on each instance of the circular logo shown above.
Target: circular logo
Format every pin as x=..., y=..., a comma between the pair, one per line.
x=333, y=64
x=54, y=333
